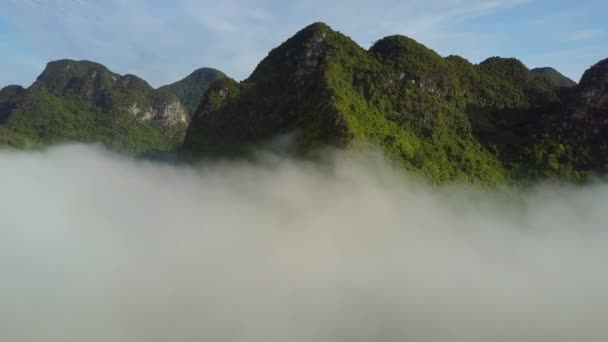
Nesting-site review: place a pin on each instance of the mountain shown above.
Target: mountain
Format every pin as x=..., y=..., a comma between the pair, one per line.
x=84, y=101
x=9, y=97
x=427, y=112
x=581, y=123
x=190, y=90
x=445, y=118
x=442, y=117
x=553, y=76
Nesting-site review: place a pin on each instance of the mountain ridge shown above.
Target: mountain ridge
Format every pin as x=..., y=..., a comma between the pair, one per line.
x=85, y=101
x=442, y=117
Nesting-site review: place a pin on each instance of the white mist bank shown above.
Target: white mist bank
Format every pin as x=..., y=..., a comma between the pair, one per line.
x=95, y=247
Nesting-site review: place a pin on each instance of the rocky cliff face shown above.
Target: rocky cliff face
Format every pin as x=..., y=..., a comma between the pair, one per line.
x=112, y=93
x=83, y=100
x=167, y=115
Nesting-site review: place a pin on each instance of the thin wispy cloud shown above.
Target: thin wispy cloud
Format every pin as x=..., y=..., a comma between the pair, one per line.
x=162, y=41
x=583, y=35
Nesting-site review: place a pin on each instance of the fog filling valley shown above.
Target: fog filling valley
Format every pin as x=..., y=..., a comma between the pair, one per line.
x=98, y=247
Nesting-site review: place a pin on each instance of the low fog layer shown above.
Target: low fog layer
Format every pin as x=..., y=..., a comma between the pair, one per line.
x=96, y=247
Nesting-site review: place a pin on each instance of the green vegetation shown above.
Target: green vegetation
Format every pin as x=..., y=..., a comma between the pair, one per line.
x=553, y=77
x=85, y=102
x=444, y=118
x=46, y=119
x=190, y=90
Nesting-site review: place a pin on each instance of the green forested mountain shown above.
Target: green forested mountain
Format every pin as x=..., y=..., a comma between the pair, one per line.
x=190, y=90
x=445, y=118
x=84, y=101
x=442, y=117
x=553, y=76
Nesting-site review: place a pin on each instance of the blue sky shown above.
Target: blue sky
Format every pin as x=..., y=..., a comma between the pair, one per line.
x=163, y=41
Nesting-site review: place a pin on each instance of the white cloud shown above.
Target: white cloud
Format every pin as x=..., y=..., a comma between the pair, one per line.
x=95, y=247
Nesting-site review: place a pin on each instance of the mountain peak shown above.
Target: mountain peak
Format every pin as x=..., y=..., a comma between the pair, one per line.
x=316, y=27
x=508, y=62
x=74, y=62
x=597, y=75
x=85, y=101
x=190, y=89
x=397, y=46
x=201, y=75
x=71, y=67
x=11, y=90
x=553, y=76
x=544, y=69
x=304, y=53
x=510, y=68
x=446, y=118
x=299, y=55
x=66, y=74
x=601, y=64
x=410, y=57
x=594, y=87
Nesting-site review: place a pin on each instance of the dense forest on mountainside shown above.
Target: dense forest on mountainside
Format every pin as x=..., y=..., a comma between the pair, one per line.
x=442, y=117
x=445, y=118
x=85, y=102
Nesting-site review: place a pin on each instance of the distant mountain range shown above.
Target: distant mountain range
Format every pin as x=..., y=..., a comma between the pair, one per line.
x=84, y=101
x=444, y=118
